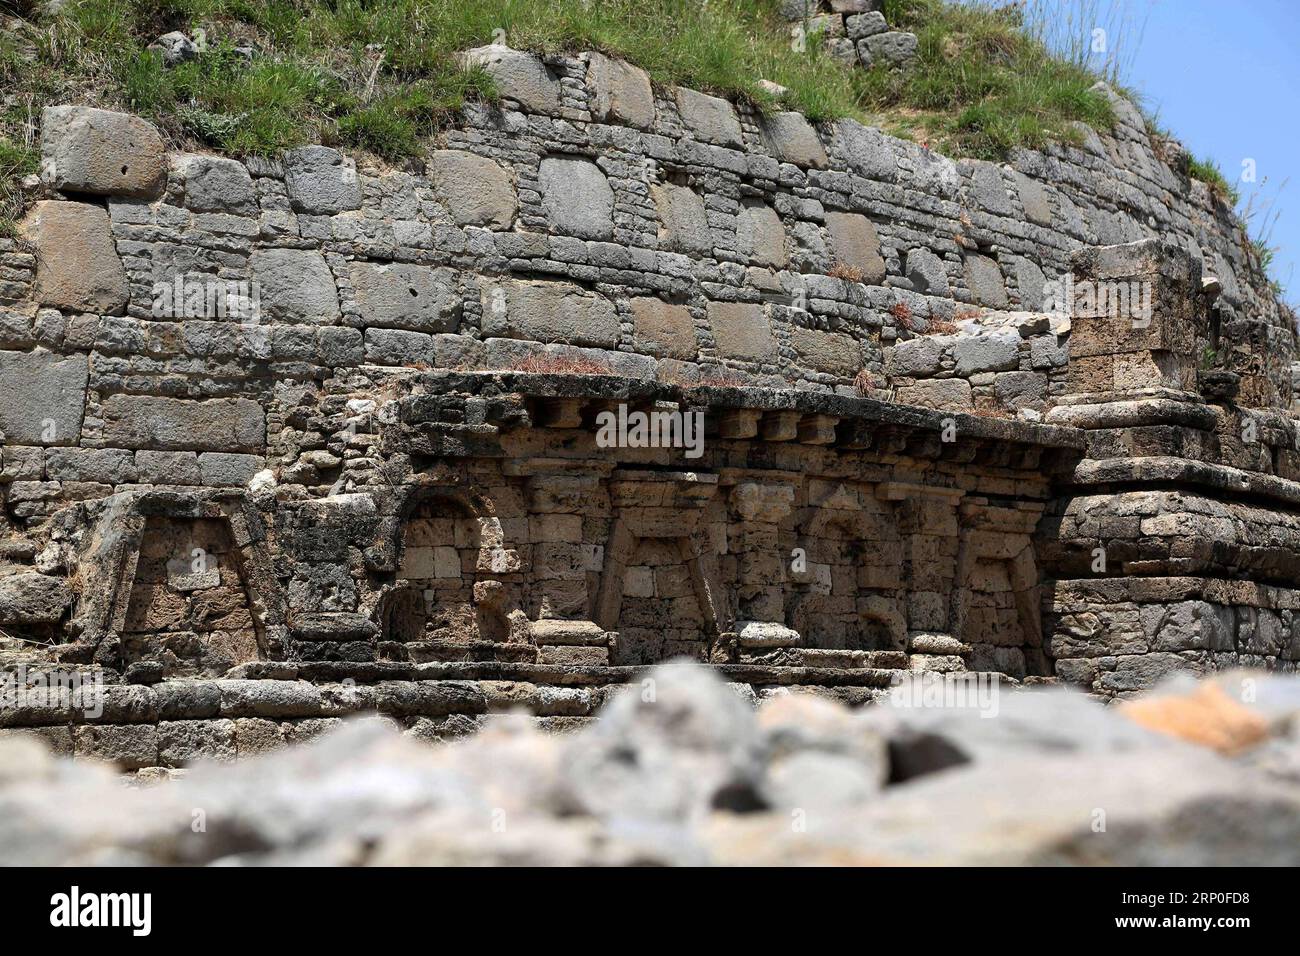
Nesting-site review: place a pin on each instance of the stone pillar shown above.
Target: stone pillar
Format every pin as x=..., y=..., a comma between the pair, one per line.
x=927, y=522
x=1137, y=327
x=758, y=509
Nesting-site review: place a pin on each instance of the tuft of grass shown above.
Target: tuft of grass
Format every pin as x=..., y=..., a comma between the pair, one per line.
x=16, y=161
x=983, y=84
x=1208, y=172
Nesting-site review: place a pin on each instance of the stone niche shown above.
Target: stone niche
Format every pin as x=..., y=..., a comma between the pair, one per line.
x=189, y=606
x=446, y=601
x=845, y=574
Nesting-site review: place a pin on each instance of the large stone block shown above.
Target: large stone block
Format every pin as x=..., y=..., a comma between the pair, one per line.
x=915, y=358
x=31, y=598
x=760, y=235
x=519, y=76
x=831, y=352
x=77, y=266
x=791, y=139
x=988, y=189
x=476, y=191
x=926, y=272
x=867, y=150
x=549, y=312
x=854, y=243
x=216, y=184
x=110, y=466
x=742, y=330
x=218, y=424
x=620, y=92
x=1034, y=199
x=663, y=329
x=894, y=49
x=984, y=279
x=130, y=746
x=295, y=285
x=183, y=741
x=946, y=394
x=576, y=197
x=44, y=398
x=96, y=151
x=988, y=352
x=401, y=295
x=709, y=118
x=321, y=181
x=685, y=226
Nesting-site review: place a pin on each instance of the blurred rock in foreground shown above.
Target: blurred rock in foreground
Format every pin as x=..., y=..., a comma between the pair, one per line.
x=681, y=770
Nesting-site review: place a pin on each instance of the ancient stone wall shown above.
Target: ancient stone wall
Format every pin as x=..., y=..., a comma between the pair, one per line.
x=267, y=415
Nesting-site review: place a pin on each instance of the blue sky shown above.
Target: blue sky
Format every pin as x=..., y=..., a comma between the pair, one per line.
x=1223, y=76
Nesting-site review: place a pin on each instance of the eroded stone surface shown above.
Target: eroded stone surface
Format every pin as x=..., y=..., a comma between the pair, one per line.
x=90, y=150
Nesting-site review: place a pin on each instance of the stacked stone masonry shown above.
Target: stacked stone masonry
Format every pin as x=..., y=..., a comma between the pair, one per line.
x=332, y=430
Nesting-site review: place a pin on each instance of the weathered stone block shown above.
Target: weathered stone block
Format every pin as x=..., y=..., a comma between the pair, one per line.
x=984, y=279
x=576, y=197
x=216, y=184
x=854, y=243
x=519, y=76
x=168, y=467
x=866, y=150
x=401, y=295
x=926, y=272
x=620, y=92
x=662, y=329
x=988, y=189
x=77, y=266
x=947, y=394
x=742, y=330
x=89, y=150
x=914, y=358
x=295, y=285
x=218, y=424
x=112, y=466
x=760, y=235
x=1034, y=198
x=321, y=181
x=130, y=746
x=1021, y=390
x=685, y=226
x=222, y=469
x=31, y=598
x=830, y=352
x=549, y=312
x=791, y=139
x=894, y=49
x=709, y=118
x=862, y=25
x=476, y=191
x=44, y=398
x=181, y=742
x=987, y=352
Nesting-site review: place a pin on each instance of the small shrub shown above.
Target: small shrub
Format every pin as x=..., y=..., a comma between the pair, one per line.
x=1208, y=172
x=846, y=272
x=724, y=378
x=902, y=314
x=866, y=382
x=546, y=363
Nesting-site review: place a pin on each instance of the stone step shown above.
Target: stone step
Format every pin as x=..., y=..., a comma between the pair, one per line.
x=424, y=652
x=820, y=657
